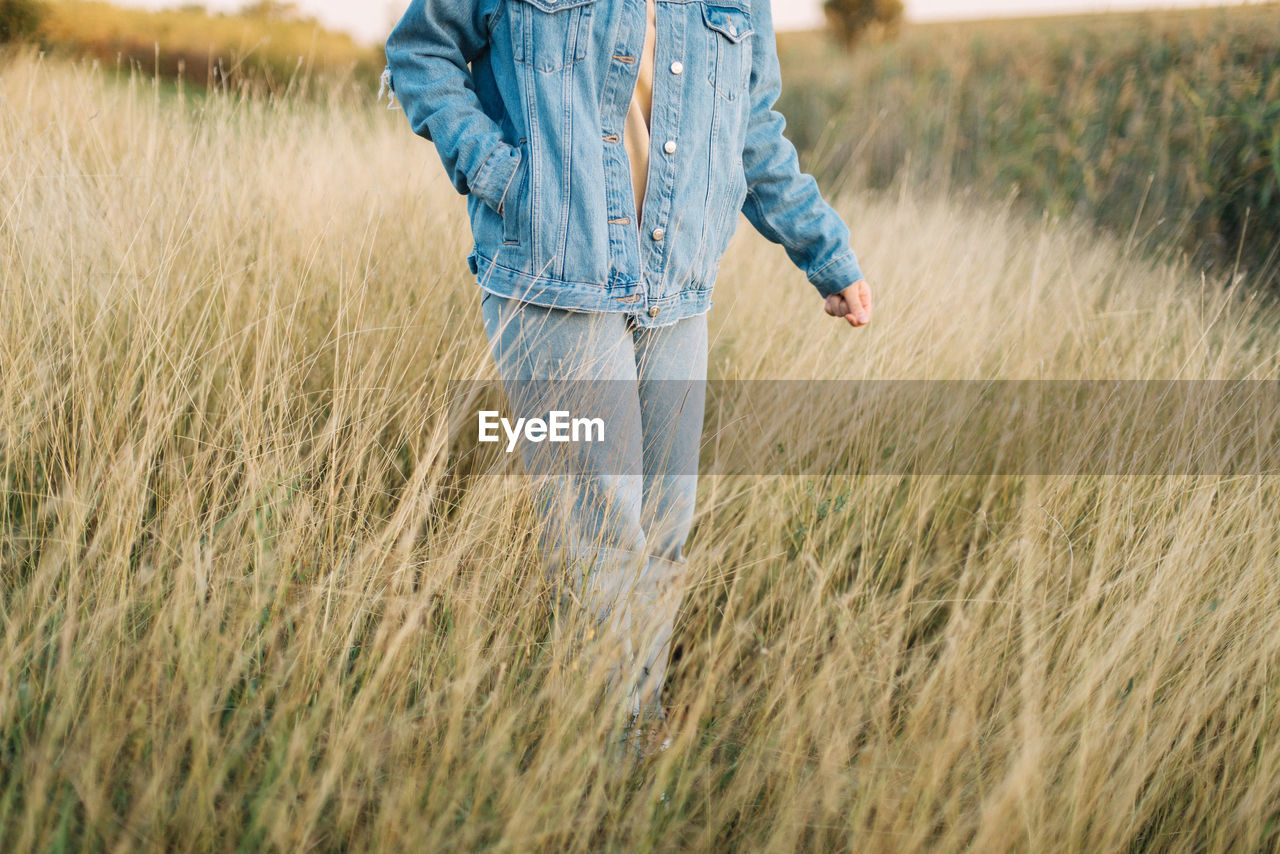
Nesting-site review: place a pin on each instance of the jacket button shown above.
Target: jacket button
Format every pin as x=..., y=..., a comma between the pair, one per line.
x=658, y=234
x=654, y=311
x=677, y=67
x=670, y=147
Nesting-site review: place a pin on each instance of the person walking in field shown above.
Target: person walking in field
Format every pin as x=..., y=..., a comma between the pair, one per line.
x=606, y=148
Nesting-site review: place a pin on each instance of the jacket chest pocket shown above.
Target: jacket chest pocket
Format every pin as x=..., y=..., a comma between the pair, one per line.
x=550, y=34
x=728, y=51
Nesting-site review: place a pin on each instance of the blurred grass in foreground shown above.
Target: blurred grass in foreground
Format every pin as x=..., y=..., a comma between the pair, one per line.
x=249, y=602
x=1161, y=126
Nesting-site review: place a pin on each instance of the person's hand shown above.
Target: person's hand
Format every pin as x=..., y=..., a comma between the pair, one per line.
x=853, y=304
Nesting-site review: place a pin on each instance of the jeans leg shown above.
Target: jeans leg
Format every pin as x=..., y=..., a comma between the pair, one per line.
x=583, y=363
x=671, y=367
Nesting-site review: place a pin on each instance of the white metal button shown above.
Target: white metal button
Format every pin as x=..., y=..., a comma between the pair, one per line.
x=677, y=67
x=659, y=233
x=670, y=147
x=654, y=311
x=733, y=30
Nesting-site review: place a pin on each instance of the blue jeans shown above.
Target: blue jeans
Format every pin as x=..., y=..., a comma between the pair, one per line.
x=616, y=527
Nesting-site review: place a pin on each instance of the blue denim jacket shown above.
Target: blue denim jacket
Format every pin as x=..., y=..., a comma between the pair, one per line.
x=526, y=101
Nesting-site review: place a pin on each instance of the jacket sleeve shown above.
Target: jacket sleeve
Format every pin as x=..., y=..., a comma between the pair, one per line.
x=427, y=58
x=783, y=203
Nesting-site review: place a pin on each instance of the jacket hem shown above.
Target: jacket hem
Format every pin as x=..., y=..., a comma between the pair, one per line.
x=548, y=292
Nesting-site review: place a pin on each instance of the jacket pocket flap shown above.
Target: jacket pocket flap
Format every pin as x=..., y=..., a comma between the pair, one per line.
x=730, y=21
x=557, y=5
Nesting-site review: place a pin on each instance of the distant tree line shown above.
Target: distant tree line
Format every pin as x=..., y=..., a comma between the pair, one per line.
x=20, y=20
x=850, y=21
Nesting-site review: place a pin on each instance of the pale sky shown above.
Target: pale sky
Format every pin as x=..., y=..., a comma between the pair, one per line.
x=369, y=20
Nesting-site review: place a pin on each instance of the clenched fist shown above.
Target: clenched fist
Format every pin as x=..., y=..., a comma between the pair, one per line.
x=853, y=304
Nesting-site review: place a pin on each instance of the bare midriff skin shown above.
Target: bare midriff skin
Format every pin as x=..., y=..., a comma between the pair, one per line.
x=636, y=133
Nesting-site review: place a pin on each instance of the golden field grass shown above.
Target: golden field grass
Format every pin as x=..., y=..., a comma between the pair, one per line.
x=248, y=602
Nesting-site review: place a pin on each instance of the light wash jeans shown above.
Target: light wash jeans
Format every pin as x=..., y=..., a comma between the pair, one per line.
x=618, y=524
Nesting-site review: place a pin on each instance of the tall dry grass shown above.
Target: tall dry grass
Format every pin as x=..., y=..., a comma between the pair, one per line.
x=248, y=603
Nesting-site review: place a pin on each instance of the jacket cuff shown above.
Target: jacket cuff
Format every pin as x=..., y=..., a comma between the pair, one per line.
x=495, y=174
x=837, y=274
